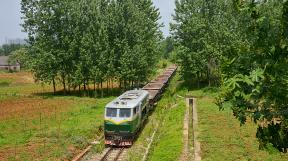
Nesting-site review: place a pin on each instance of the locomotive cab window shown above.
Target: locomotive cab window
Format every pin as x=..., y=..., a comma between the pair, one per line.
x=111, y=112
x=125, y=112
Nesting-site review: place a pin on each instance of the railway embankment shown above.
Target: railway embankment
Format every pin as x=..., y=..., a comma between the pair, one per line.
x=168, y=119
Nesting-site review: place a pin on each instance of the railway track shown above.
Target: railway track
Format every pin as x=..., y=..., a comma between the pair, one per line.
x=154, y=88
x=112, y=154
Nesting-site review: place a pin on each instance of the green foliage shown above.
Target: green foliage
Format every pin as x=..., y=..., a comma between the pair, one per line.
x=78, y=42
x=7, y=49
x=244, y=43
x=167, y=46
x=255, y=75
x=20, y=56
x=200, y=32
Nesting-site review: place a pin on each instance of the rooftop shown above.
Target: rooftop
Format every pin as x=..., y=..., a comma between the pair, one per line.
x=128, y=99
x=4, y=61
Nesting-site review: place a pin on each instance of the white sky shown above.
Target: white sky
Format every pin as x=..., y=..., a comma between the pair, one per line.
x=10, y=18
x=166, y=8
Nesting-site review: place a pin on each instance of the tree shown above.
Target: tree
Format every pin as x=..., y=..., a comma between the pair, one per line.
x=167, y=47
x=7, y=49
x=82, y=41
x=245, y=44
x=255, y=77
x=1, y=51
x=200, y=31
x=20, y=56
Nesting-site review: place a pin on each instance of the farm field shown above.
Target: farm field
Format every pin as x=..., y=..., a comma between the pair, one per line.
x=35, y=124
x=222, y=137
x=44, y=127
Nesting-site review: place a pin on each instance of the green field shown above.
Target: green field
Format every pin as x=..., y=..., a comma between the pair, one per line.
x=45, y=127
x=222, y=137
x=35, y=124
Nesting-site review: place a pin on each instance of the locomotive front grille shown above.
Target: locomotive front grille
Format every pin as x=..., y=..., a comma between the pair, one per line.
x=117, y=137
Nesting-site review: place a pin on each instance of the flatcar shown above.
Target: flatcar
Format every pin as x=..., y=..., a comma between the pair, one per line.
x=125, y=115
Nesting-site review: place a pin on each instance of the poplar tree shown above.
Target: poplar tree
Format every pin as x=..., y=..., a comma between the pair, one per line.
x=83, y=42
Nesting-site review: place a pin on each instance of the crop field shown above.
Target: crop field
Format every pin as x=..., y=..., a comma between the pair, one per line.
x=35, y=126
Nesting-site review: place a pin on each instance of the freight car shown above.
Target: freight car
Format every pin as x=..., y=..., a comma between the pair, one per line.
x=125, y=115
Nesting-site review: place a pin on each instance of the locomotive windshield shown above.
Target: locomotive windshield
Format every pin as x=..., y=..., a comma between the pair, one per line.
x=125, y=112
x=111, y=112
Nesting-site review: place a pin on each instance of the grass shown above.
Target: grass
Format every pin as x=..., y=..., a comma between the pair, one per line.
x=3, y=71
x=222, y=137
x=57, y=127
x=69, y=129
x=39, y=127
x=168, y=116
x=36, y=124
x=5, y=82
x=169, y=139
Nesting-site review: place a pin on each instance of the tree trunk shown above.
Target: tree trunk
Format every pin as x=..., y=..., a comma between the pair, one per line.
x=69, y=84
x=120, y=84
x=54, y=86
x=64, y=85
x=208, y=77
x=130, y=84
x=88, y=88
x=84, y=85
x=112, y=85
x=107, y=86
x=101, y=89
x=97, y=90
x=198, y=80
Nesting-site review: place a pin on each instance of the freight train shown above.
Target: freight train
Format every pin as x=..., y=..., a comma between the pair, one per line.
x=125, y=115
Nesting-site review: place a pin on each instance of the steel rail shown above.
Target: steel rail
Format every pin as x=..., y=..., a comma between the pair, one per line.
x=109, y=152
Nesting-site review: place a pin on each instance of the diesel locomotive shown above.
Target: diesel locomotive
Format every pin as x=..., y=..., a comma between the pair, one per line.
x=125, y=115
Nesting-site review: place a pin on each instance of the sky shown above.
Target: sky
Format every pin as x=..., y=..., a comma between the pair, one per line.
x=10, y=18
x=166, y=8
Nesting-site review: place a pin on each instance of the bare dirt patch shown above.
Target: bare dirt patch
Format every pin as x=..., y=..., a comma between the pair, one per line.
x=31, y=107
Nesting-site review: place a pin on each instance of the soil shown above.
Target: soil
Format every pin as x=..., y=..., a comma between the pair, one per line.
x=31, y=107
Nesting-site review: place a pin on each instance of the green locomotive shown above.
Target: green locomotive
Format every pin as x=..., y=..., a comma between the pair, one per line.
x=124, y=117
